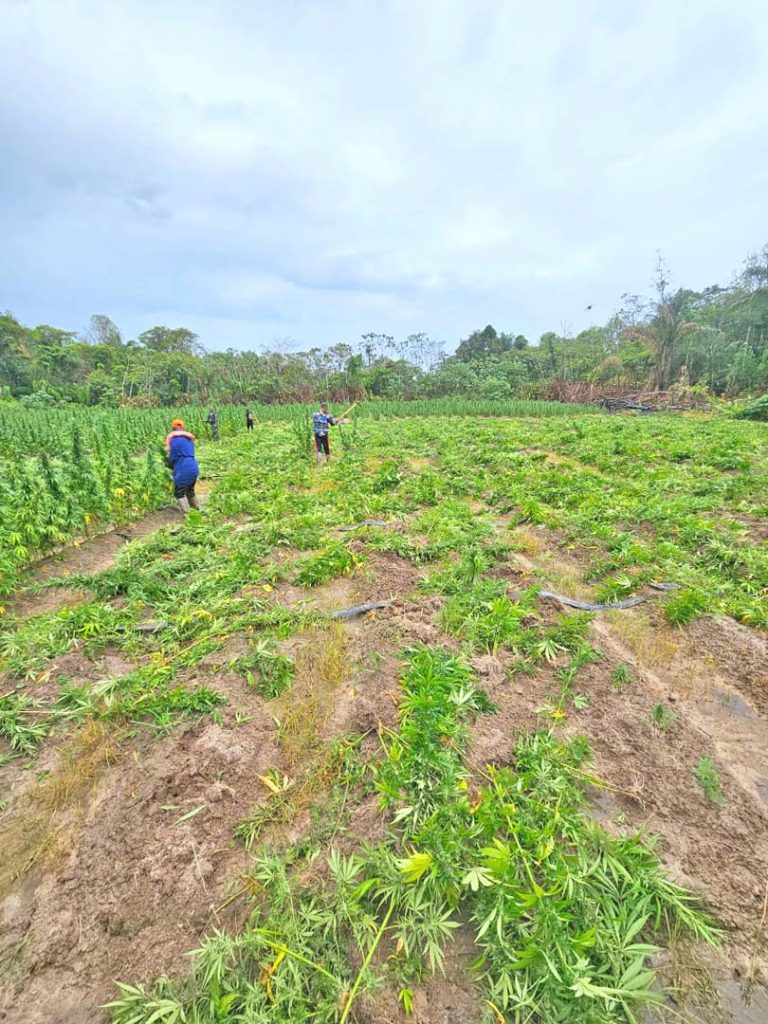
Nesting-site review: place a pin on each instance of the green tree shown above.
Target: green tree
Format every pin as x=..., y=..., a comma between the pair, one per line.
x=663, y=331
x=393, y=378
x=171, y=339
x=548, y=342
x=487, y=342
x=103, y=331
x=15, y=343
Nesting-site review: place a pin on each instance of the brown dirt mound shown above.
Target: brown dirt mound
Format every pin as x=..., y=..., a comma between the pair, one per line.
x=136, y=885
x=740, y=653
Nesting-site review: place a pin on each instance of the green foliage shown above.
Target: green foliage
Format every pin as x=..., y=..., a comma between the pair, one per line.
x=571, y=901
x=423, y=763
x=757, y=410
x=662, y=717
x=457, y=578
x=621, y=675
x=334, y=560
x=684, y=606
x=512, y=852
x=23, y=733
x=486, y=619
x=484, y=616
x=273, y=671
x=90, y=626
x=715, y=340
x=63, y=477
x=708, y=777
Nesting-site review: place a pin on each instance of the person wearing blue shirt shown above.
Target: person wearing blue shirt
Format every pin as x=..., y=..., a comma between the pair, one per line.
x=321, y=421
x=180, y=449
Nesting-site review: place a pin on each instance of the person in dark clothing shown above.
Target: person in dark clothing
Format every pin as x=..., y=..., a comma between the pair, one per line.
x=180, y=448
x=249, y=419
x=213, y=423
x=321, y=421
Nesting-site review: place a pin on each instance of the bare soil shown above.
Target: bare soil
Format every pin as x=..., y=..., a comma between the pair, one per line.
x=135, y=886
x=755, y=530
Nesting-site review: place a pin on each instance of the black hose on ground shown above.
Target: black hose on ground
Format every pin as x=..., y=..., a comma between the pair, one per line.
x=548, y=595
x=359, y=609
x=591, y=606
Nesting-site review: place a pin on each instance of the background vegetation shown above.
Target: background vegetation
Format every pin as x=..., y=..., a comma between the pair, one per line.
x=716, y=338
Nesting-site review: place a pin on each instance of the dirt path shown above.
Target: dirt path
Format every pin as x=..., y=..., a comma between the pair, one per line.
x=87, y=556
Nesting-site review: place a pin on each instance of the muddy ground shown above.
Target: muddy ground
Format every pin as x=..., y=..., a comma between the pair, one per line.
x=118, y=846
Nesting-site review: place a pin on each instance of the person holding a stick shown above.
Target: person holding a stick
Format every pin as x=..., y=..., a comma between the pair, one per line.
x=321, y=421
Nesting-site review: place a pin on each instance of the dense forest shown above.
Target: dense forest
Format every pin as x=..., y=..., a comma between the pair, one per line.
x=716, y=339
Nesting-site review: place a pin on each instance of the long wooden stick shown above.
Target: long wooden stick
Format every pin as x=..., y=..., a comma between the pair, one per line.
x=366, y=963
x=280, y=948
x=349, y=410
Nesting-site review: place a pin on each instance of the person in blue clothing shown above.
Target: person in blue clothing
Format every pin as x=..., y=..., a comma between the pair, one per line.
x=180, y=448
x=321, y=421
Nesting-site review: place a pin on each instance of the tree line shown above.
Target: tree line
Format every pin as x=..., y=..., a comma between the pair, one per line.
x=715, y=339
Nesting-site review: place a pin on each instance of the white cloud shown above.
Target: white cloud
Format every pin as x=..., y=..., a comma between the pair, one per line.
x=320, y=170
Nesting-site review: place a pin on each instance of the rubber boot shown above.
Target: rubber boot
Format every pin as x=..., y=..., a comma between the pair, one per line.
x=193, y=501
x=319, y=457
x=183, y=505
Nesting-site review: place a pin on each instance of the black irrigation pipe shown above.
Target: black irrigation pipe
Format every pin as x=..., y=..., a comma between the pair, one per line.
x=359, y=609
x=548, y=595
x=590, y=606
x=372, y=606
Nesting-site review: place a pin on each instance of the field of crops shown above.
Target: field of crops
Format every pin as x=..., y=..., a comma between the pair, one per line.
x=64, y=472
x=476, y=803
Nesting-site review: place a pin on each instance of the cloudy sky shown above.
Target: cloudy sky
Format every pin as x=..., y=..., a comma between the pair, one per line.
x=305, y=172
